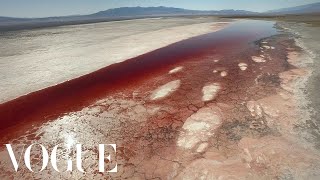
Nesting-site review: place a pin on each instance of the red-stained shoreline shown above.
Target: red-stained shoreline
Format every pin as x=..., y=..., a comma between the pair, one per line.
x=77, y=93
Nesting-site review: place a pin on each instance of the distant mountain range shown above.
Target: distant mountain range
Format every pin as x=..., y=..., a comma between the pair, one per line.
x=9, y=23
x=305, y=9
x=156, y=11
x=129, y=12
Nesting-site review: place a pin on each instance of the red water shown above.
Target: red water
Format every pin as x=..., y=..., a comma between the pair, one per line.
x=77, y=93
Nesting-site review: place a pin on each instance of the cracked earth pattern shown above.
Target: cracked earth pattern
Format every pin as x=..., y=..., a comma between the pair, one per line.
x=224, y=114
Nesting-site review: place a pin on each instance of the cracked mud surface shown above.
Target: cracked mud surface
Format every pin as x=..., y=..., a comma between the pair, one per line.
x=220, y=109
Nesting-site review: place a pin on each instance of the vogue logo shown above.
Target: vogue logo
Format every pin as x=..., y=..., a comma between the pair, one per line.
x=53, y=157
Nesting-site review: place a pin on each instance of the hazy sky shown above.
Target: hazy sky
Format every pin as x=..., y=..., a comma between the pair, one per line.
x=45, y=8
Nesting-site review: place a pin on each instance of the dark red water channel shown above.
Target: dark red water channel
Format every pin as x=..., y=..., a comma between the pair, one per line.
x=77, y=93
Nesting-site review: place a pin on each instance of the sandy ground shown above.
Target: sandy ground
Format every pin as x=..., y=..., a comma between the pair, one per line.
x=35, y=59
x=306, y=35
x=228, y=113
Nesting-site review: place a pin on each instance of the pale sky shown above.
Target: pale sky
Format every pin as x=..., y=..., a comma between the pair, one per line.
x=46, y=8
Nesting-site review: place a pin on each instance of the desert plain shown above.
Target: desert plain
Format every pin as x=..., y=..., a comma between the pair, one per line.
x=181, y=97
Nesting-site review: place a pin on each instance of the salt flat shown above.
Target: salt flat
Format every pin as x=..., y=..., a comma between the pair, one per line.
x=35, y=59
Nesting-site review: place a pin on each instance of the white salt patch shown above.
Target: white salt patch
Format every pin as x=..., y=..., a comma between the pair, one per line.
x=258, y=59
x=224, y=73
x=264, y=42
x=202, y=147
x=165, y=90
x=198, y=128
x=210, y=91
x=243, y=66
x=214, y=71
x=272, y=47
x=216, y=60
x=266, y=47
x=188, y=142
x=175, y=70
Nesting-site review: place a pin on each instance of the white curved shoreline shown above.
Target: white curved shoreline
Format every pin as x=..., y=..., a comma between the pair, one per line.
x=64, y=53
